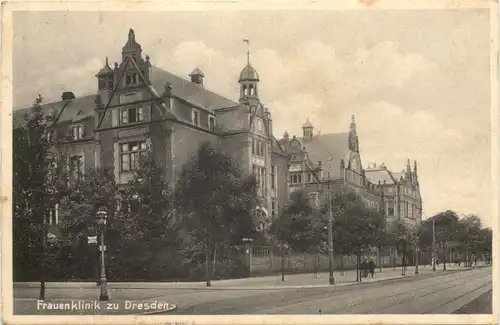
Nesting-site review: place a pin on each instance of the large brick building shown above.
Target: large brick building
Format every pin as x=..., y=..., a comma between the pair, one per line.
x=139, y=107
x=319, y=162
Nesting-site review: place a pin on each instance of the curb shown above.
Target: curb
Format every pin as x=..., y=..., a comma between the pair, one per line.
x=249, y=287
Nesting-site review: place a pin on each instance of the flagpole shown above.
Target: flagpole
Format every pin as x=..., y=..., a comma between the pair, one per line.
x=248, y=50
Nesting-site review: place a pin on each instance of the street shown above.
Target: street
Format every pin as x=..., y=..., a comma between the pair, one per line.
x=459, y=290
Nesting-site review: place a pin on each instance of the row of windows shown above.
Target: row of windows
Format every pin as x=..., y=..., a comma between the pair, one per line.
x=195, y=119
x=258, y=147
x=296, y=177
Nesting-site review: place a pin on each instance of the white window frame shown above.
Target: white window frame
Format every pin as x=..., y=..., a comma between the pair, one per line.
x=274, y=177
x=195, y=113
x=131, y=79
x=132, y=155
x=210, y=119
x=77, y=131
x=125, y=114
x=297, y=179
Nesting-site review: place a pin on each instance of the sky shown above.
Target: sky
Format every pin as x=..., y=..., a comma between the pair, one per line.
x=417, y=81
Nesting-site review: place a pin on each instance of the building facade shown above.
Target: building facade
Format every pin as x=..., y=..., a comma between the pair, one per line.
x=138, y=108
x=325, y=163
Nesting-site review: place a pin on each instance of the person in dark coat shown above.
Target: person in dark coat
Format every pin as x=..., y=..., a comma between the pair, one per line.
x=371, y=267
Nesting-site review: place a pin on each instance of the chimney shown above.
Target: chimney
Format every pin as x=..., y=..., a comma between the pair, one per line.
x=67, y=95
x=197, y=77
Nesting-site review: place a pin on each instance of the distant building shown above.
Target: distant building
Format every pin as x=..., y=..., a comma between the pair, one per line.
x=319, y=159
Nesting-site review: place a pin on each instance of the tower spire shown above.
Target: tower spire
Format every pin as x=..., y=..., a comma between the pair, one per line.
x=353, y=126
x=353, y=137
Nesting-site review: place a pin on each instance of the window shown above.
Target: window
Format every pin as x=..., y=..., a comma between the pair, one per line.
x=131, y=79
x=250, y=120
x=390, y=208
x=195, y=117
x=131, y=115
x=211, y=123
x=130, y=154
x=295, y=178
x=258, y=147
x=260, y=175
x=76, y=167
x=109, y=82
x=274, y=177
x=77, y=132
x=274, y=209
x=310, y=177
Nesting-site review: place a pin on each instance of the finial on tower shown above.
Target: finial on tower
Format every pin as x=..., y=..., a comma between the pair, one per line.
x=248, y=50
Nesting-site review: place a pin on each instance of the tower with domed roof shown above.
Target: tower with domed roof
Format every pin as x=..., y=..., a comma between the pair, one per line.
x=249, y=80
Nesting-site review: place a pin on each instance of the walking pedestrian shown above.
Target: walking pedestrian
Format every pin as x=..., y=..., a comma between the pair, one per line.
x=371, y=267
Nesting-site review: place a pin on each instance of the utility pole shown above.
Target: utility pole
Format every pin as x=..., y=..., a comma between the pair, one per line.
x=331, y=279
x=433, y=245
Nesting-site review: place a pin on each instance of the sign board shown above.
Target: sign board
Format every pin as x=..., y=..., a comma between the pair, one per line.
x=102, y=248
x=92, y=239
x=295, y=168
x=258, y=161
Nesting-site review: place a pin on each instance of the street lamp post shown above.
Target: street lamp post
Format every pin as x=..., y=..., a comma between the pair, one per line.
x=102, y=217
x=433, y=245
x=417, y=256
x=331, y=279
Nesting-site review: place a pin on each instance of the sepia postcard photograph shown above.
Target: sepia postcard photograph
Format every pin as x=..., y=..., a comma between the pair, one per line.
x=327, y=162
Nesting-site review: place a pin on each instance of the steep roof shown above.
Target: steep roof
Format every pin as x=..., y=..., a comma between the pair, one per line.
x=189, y=91
x=74, y=110
x=330, y=149
x=379, y=175
x=82, y=107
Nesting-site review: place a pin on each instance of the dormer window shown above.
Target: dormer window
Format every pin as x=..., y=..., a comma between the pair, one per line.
x=77, y=132
x=195, y=117
x=211, y=123
x=131, y=79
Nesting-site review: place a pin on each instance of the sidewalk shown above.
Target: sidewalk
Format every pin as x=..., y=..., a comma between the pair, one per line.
x=305, y=280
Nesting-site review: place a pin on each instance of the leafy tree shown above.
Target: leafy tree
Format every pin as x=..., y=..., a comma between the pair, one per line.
x=299, y=225
x=217, y=203
x=31, y=167
x=446, y=227
x=147, y=229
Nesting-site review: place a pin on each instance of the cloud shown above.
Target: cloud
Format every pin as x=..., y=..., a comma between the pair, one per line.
x=312, y=80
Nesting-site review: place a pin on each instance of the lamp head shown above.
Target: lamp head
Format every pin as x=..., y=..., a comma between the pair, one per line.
x=102, y=216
